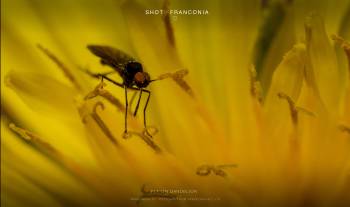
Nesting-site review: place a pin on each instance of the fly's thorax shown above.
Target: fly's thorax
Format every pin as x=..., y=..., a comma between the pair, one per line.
x=130, y=69
x=134, y=75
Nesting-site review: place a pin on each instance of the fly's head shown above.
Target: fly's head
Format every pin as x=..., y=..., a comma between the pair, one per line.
x=135, y=72
x=142, y=79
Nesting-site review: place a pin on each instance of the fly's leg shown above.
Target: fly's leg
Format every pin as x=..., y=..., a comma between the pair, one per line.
x=144, y=112
x=126, y=113
x=138, y=103
x=131, y=101
x=146, y=128
x=112, y=81
x=103, y=76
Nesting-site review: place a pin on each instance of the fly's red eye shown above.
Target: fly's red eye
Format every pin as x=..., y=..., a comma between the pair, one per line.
x=140, y=77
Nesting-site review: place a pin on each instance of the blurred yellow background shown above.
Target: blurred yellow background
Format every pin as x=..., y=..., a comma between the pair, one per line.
x=270, y=95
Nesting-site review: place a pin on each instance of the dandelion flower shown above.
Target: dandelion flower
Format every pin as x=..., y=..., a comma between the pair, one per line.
x=251, y=107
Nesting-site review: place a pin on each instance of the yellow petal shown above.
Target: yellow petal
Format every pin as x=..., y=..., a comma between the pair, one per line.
x=43, y=93
x=287, y=79
x=40, y=171
x=322, y=70
x=332, y=11
x=276, y=37
x=58, y=116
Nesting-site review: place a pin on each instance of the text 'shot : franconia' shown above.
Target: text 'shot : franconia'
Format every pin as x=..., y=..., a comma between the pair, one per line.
x=177, y=11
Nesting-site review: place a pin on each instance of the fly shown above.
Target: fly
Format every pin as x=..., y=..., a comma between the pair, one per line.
x=132, y=73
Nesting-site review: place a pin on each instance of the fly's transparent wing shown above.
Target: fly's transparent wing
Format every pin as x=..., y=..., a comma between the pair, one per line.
x=111, y=56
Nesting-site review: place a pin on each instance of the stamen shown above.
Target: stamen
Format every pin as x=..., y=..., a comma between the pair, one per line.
x=154, y=131
x=344, y=128
x=345, y=45
x=101, y=123
x=227, y=166
x=168, y=25
x=50, y=151
x=294, y=109
x=99, y=91
x=175, y=75
x=127, y=135
x=205, y=170
x=95, y=92
x=305, y=111
x=65, y=69
x=148, y=140
x=178, y=78
x=33, y=138
x=219, y=172
x=185, y=86
x=255, y=86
